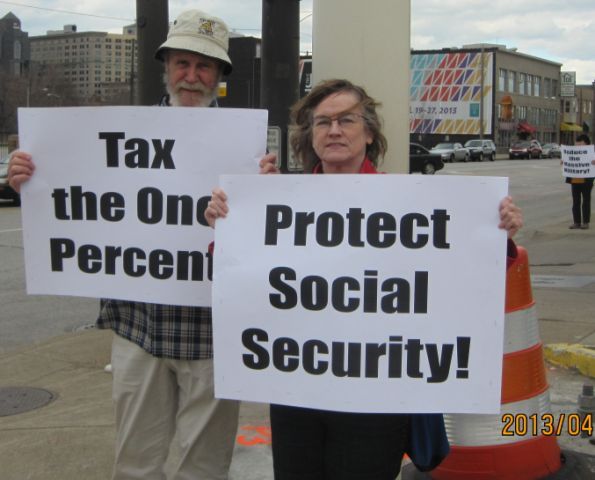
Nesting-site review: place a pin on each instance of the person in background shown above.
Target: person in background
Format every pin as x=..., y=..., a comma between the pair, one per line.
x=336, y=129
x=162, y=354
x=581, y=194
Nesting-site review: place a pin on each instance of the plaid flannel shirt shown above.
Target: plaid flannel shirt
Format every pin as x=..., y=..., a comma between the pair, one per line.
x=165, y=331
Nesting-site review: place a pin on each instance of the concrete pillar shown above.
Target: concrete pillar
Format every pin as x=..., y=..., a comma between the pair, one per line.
x=368, y=43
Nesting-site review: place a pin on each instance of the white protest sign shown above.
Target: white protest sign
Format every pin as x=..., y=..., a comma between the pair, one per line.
x=361, y=293
x=578, y=161
x=115, y=208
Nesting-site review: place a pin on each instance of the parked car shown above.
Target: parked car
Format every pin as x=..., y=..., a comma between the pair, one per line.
x=551, y=150
x=535, y=149
x=525, y=149
x=6, y=192
x=421, y=160
x=451, y=152
x=480, y=149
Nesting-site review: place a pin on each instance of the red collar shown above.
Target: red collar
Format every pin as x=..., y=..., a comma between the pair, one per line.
x=366, y=167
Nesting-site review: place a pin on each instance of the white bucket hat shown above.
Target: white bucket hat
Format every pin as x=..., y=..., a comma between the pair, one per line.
x=198, y=32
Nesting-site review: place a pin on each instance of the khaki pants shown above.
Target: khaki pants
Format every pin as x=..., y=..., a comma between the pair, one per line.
x=158, y=398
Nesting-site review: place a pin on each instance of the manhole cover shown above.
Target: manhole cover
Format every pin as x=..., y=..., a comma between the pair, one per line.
x=15, y=400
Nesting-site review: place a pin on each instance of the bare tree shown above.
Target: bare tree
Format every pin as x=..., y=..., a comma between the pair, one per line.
x=44, y=85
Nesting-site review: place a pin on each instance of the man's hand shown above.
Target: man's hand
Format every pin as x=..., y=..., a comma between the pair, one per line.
x=20, y=169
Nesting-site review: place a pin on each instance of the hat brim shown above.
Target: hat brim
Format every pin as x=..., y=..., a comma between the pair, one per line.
x=194, y=45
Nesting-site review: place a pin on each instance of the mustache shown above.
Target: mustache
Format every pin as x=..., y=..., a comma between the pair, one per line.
x=193, y=87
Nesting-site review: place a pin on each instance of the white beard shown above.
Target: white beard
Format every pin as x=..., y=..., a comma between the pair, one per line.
x=208, y=95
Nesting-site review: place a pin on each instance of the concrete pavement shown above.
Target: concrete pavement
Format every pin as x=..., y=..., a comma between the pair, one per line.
x=72, y=436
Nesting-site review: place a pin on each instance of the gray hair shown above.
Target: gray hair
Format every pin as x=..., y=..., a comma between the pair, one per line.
x=302, y=116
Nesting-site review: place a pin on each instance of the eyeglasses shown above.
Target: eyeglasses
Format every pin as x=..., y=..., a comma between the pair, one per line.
x=345, y=121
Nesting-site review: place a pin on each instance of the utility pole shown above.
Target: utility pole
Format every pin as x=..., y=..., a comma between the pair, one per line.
x=592, y=132
x=481, y=89
x=151, y=31
x=279, y=88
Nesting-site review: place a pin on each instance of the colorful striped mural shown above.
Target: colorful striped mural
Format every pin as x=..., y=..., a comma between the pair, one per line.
x=445, y=93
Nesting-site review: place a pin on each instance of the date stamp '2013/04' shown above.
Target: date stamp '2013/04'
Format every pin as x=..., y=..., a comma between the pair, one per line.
x=547, y=424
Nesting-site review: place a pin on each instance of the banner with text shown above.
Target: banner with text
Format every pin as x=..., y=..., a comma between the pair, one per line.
x=115, y=208
x=451, y=93
x=578, y=161
x=361, y=293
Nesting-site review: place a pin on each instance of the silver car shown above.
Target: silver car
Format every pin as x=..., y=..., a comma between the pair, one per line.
x=451, y=152
x=480, y=149
x=551, y=150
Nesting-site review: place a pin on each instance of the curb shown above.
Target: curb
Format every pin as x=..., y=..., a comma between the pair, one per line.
x=580, y=357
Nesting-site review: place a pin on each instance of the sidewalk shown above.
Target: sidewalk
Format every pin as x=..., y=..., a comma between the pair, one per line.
x=562, y=266
x=72, y=437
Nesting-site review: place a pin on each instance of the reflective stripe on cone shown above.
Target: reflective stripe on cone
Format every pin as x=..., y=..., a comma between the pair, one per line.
x=478, y=430
x=521, y=330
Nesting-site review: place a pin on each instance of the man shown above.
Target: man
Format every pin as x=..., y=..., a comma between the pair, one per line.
x=195, y=57
x=162, y=354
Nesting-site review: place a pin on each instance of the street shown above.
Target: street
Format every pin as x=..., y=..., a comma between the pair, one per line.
x=535, y=185
x=29, y=319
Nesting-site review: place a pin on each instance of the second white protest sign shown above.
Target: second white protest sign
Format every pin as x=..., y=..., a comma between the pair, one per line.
x=375, y=293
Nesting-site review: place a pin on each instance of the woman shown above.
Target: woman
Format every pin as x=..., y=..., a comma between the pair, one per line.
x=336, y=130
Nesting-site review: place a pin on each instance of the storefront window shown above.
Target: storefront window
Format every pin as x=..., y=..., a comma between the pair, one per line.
x=547, y=88
x=502, y=80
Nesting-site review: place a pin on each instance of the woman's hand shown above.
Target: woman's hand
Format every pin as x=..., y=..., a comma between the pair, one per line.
x=217, y=207
x=20, y=169
x=511, y=217
x=268, y=164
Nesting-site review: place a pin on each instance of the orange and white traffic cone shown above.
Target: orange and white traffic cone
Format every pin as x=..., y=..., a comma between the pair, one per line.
x=515, y=444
